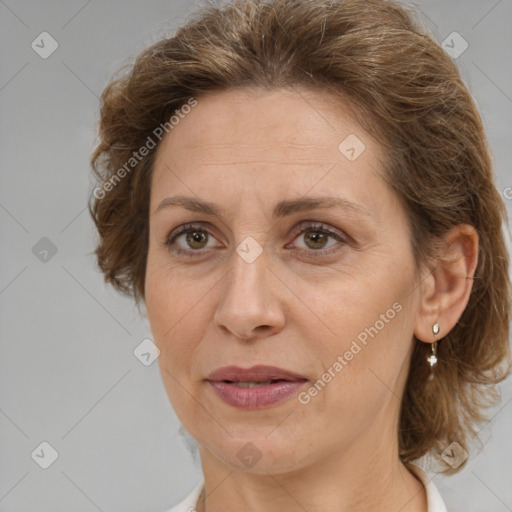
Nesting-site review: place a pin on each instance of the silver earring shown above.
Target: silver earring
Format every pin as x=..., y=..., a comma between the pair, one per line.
x=432, y=358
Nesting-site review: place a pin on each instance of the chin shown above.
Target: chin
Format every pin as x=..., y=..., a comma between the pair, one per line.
x=255, y=451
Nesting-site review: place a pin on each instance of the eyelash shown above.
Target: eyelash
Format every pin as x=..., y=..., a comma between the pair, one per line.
x=311, y=226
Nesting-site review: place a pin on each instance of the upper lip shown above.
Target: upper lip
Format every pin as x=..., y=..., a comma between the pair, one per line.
x=254, y=374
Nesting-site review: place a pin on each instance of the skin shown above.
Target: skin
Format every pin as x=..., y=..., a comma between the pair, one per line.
x=246, y=150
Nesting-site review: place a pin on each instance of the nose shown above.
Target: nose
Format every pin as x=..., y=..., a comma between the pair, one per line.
x=251, y=302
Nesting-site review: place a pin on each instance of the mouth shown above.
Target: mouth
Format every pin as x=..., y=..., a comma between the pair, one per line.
x=256, y=387
x=259, y=374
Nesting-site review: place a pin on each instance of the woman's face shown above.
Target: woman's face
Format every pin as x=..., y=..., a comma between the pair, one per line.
x=329, y=294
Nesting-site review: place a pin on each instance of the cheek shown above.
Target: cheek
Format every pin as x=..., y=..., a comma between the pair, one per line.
x=166, y=306
x=367, y=318
x=363, y=367
x=171, y=329
x=176, y=310
x=165, y=293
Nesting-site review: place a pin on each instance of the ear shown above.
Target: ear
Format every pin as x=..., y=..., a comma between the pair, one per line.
x=446, y=289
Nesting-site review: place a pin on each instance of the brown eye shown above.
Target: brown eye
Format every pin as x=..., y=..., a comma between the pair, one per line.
x=196, y=239
x=316, y=239
x=189, y=240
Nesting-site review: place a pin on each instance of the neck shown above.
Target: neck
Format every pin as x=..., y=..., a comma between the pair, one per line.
x=366, y=475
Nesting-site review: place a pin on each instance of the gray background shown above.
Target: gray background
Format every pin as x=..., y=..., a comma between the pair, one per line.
x=68, y=375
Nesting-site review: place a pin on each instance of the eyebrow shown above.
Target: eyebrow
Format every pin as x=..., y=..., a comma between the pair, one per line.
x=281, y=209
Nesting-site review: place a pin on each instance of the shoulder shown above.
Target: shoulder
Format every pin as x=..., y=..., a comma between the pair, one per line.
x=434, y=499
x=189, y=503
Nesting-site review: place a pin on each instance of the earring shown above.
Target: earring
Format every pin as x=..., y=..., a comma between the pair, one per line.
x=432, y=358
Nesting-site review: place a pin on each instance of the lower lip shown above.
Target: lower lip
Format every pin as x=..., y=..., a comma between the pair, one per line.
x=257, y=397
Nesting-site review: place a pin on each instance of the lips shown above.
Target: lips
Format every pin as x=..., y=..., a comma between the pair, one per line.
x=254, y=388
x=259, y=373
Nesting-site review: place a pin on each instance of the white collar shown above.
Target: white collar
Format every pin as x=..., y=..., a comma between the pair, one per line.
x=434, y=500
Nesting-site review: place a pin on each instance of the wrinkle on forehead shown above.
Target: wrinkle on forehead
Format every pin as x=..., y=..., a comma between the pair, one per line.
x=276, y=142
x=255, y=120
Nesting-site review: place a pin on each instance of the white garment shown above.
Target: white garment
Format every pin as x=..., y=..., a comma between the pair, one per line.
x=434, y=500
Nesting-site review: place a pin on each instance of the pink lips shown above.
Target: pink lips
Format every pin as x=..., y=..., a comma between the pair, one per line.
x=283, y=384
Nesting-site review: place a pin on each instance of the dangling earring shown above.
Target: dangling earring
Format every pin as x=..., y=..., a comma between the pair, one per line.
x=432, y=358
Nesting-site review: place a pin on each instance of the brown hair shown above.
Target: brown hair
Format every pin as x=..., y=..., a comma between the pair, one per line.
x=406, y=92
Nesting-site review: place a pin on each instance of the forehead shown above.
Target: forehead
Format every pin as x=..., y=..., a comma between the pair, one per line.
x=289, y=139
x=298, y=120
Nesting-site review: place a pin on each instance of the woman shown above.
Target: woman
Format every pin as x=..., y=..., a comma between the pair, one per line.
x=301, y=195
